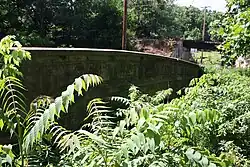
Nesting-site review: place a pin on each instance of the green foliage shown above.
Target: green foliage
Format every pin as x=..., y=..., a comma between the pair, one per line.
x=38, y=123
x=189, y=22
x=144, y=133
x=208, y=58
x=207, y=127
x=11, y=97
x=81, y=23
x=11, y=88
x=42, y=155
x=10, y=61
x=164, y=19
x=98, y=23
x=225, y=93
x=6, y=155
x=233, y=29
x=30, y=127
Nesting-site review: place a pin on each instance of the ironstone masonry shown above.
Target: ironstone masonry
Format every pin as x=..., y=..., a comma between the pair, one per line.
x=52, y=69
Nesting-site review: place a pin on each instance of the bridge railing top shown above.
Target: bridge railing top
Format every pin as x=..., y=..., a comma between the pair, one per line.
x=48, y=49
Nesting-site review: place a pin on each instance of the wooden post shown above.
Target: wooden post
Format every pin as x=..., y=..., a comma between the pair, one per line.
x=124, y=25
x=204, y=25
x=203, y=31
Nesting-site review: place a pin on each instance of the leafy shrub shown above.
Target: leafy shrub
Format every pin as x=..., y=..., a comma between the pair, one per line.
x=227, y=93
x=30, y=126
x=208, y=126
x=233, y=29
x=147, y=133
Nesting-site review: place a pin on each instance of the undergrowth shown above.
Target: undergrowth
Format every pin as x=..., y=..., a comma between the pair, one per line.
x=208, y=126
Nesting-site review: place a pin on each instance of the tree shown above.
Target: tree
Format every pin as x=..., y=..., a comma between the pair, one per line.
x=97, y=23
x=189, y=22
x=234, y=31
x=81, y=23
x=151, y=19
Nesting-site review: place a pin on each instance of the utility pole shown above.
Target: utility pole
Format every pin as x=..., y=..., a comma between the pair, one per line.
x=204, y=29
x=204, y=25
x=124, y=24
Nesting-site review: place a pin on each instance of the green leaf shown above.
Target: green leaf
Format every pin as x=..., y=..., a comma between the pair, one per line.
x=124, y=150
x=140, y=123
x=131, y=146
x=212, y=165
x=58, y=105
x=121, y=126
x=92, y=136
x=192, y=117
x=197, y=156
x=78, y=85
x=204, y=161
x=1, y=124
x=70, y=92
x=136, y=140
x=8, y=159
x=115, y=132
x=189, y=153
x=151, y=143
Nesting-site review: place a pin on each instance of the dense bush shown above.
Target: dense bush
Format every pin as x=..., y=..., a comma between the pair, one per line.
x=208, y=126
x=228, y=93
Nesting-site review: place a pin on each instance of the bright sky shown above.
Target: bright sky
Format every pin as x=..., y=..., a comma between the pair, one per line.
x=218, y=5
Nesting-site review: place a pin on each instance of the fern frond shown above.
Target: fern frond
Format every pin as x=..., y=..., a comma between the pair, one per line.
x=34, y=132
x=39, y=104
x=12, y=98
x=96, y=106
x=101, y=116
x=65, y=139
x=42, y=155
x=70, y=141
x=161, y=96
x=134, y=93
x=122, y=100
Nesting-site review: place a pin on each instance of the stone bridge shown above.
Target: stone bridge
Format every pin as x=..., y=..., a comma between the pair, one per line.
x=52, y=69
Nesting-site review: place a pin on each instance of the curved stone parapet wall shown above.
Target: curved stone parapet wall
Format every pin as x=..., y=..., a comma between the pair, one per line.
x=52, y=69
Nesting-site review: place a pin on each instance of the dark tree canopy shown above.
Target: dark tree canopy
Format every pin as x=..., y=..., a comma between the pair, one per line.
x=97, y=23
